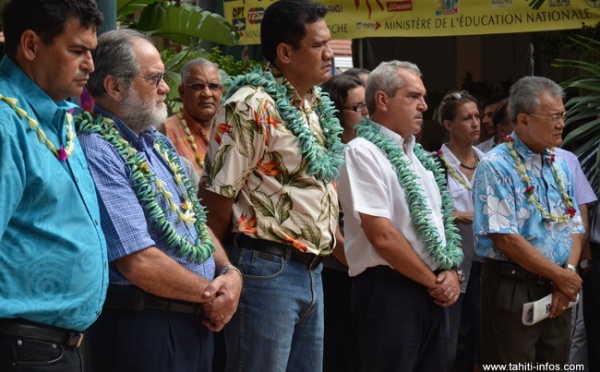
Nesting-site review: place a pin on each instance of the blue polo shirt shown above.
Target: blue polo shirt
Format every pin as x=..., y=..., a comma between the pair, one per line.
x=53, y=261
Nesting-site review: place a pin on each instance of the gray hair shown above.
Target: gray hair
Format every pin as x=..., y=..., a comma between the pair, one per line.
x=197, y=62
x=526, y=92
x=385, y=78
x=115, y=56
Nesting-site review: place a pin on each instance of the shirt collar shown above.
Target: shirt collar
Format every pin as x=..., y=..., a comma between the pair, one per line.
x=292, y=93
x=40, y=101
x=398, y=139
x=528, y=155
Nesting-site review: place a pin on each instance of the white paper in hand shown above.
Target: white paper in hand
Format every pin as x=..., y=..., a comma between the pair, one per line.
x=536, y=311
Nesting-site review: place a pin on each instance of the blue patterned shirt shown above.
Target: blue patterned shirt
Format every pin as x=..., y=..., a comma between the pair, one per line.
x=53, y=266
x=123, y=221
x=502, y=206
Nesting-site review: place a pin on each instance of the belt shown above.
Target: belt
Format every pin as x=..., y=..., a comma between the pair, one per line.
x=387, y=271
x=514, y=271
x=159, y=303
x=24, y=328
x=277, y=249
x=132, y=298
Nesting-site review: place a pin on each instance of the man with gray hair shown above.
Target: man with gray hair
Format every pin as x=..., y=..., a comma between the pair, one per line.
x=163, y=296
x=401, y=246
x=201, y=92
x=527, y=226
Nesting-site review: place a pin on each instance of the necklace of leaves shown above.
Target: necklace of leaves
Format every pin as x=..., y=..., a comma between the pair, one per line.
x=451, y=170
x=322, y=162
x=449, y=256
x=191, y=139
x=530, y=189
x=63, y=152
x=142, y=177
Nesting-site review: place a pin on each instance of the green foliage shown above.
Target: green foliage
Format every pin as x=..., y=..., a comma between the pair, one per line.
x=584, y=109
x=184, y=24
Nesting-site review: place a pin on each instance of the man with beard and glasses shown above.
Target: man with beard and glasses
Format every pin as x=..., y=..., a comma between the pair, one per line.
x=163, y=297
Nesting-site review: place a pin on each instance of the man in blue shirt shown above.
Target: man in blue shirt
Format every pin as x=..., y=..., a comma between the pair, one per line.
x=163, y=296
x=53, y=267
x=528, y=228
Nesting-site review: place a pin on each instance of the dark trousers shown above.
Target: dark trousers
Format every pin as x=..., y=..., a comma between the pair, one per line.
x=399, y=327
x=504, y=337
x=341, y=351
x=591, y=309
x=23, y=354
x=148, y=340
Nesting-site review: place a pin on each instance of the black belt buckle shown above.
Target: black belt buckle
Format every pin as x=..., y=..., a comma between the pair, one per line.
x=75, y=339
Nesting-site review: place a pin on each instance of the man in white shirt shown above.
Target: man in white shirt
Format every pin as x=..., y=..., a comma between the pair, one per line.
x=401, y=245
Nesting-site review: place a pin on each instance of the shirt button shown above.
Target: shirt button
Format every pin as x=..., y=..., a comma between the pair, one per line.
x=96, y=222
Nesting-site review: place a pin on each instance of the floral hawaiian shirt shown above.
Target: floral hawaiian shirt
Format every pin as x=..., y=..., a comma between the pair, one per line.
x=502, y=205
x=255, y=159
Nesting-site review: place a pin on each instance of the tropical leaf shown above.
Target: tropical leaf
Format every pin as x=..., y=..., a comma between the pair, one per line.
x=584, y=110
x=185, y=24
x=307, y=226
x=284, y=206
x=220, y=160
x=228, y=191
x=263, y=204
x=127, y=7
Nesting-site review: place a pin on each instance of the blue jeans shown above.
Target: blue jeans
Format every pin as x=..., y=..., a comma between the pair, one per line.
x=279, y=322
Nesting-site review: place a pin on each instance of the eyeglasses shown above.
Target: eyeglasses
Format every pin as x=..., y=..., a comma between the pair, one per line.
x=197, y=87
x=359, y=107
x=157, y=79
x=560, y=116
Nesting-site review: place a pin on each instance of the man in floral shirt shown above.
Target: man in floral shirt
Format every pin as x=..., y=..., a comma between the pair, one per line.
x=527, y=225
x=268, y=186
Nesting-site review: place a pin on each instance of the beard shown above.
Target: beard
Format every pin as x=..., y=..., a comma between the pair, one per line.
x=140, y=114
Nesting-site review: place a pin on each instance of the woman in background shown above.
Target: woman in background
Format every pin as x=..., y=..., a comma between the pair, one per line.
x=341, y=345
x=458, y=113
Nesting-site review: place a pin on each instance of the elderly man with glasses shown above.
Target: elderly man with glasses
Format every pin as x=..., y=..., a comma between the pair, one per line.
x=529, y=229
x=189, y=129
x=170, y=283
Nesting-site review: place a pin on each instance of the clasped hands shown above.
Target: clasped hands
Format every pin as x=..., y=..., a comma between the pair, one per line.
x=220, y=300
x=447, y=288
x=566, y=288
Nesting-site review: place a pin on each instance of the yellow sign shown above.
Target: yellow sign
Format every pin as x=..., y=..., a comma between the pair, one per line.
x=353, y=19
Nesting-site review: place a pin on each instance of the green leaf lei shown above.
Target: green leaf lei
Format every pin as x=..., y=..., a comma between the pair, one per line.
x=142, y=178
x=449, y=256
x=322, y=163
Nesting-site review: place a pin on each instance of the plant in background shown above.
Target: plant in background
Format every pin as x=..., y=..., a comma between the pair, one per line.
x=584, y=109
x=184, y=24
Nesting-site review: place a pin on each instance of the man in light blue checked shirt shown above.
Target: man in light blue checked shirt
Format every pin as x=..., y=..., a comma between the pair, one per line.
x=165, y=296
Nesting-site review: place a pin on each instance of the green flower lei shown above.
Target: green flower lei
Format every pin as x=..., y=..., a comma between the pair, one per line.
x=449, y=256
x=322, y=163
x=142, y=179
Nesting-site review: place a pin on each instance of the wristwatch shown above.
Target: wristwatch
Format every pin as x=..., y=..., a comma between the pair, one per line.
x=585, y=263
x=570, y=267
x=461, y=276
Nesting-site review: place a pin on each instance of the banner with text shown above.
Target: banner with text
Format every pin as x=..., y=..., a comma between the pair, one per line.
x=353, y=19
